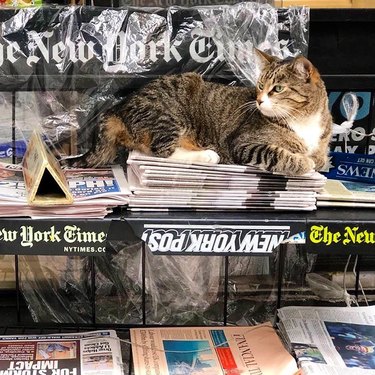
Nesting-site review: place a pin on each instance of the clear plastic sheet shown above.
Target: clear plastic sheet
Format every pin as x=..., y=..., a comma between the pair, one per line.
x=105, y=54
x=179, y=290
x=77, y=62
x=184, y=290
x=237, y=29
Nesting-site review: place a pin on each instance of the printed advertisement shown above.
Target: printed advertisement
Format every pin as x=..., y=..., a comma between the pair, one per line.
x=355, y=141
x=349, y=167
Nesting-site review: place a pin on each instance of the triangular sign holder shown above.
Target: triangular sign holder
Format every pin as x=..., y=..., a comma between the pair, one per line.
x=45, y=181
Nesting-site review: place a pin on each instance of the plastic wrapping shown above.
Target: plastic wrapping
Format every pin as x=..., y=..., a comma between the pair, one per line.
x=102, y=55
x=77, y=62
x=236, y=30
x=178, y=289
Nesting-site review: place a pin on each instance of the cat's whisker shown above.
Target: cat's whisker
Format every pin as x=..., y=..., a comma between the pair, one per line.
x=288, y=111
x=292, y=110
x=248, y=105
x=281, y=113
x=242, y=109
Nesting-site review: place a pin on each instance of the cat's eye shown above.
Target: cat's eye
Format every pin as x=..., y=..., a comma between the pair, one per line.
x=260, y=86
x=278, y=88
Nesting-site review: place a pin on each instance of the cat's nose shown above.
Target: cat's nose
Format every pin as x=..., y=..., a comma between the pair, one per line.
x=260, y=101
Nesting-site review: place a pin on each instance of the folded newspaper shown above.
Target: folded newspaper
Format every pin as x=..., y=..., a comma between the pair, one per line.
x=330, y=340
x=88, y=353
x=95, y=191
x=159, y=183
x=210, y=351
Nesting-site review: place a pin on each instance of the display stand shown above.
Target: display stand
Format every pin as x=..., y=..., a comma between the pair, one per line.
x=340, y=70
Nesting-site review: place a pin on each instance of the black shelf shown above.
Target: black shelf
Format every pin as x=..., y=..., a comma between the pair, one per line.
x=130, y=227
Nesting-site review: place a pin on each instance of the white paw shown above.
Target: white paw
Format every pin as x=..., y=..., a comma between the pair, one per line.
x=209, y=156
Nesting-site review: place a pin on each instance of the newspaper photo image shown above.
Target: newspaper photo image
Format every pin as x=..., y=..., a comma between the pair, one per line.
x=331, y=340
x=90, y=353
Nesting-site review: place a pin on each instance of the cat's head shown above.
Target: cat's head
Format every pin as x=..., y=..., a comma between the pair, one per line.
x=288, y=89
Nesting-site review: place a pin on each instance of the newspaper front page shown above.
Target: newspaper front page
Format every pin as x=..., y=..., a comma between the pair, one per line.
x=211, y=351
x=89, y=353
x=331, y=340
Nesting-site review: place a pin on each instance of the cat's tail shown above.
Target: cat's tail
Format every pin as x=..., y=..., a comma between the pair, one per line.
x=107, y=137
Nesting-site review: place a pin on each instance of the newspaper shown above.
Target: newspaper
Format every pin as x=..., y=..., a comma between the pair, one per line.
x=347, y=193
x=331, y=340
x=175, y=184
x=88, y=353
x=210, y=351
x=96, y=192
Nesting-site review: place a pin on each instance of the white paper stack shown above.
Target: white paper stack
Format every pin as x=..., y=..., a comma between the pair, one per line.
x=158, y=184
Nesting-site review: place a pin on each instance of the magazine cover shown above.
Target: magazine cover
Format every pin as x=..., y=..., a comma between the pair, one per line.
x=210, y=351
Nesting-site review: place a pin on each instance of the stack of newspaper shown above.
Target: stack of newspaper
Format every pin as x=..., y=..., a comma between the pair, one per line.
x=330, y=340
x=86, y=353
x=96, y=192
x=159, y=184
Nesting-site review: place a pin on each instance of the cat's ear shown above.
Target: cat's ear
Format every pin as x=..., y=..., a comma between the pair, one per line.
x=264, y=58
x=304, y=68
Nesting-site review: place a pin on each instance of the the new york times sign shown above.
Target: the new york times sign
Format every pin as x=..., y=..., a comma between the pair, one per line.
x=54, y=238
x=213, y=239
x=356, y=237
x=63, y=42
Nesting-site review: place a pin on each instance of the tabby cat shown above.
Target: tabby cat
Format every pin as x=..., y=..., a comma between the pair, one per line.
x=283, y=125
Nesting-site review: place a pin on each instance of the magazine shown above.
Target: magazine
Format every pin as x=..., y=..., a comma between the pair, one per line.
x=88, y=353
x=330, y=340
x=210, y=351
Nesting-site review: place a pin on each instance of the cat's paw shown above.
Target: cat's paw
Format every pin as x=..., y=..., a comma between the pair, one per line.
x=208, y=156
x=295, y=165
x=301, y=165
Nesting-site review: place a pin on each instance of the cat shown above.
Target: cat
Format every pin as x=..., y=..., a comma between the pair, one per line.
x=283, y=125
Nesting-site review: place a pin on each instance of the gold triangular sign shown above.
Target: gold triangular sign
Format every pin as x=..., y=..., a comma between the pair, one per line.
x=45, y=181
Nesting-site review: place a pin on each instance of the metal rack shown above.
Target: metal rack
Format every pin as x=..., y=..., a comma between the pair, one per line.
x=327, y=27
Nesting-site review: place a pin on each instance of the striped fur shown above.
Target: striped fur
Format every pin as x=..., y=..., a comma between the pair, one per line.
x=283, y=125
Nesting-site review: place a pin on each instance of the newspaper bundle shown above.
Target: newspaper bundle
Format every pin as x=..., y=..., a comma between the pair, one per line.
x=330, y=340
x=88, y=353
x=159, y=183
x=96, y=192
x=210, y=351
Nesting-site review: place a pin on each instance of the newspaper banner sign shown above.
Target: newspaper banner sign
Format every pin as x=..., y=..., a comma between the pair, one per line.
x=66, y=238
x=217, y=239
x=355, y=237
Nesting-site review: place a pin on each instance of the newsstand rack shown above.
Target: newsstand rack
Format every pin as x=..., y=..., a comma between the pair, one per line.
x=340, y=45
